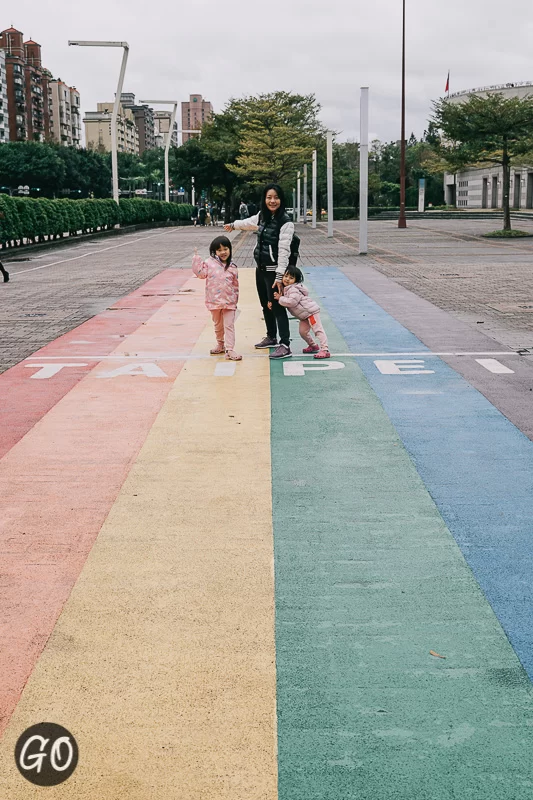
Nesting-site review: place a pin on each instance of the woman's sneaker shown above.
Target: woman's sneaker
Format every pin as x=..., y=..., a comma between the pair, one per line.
x=313, y=348
x=282, y=351
x=268, y=341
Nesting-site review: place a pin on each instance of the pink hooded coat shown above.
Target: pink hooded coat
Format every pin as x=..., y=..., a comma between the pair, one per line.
x=296, y=299
x=222, y=285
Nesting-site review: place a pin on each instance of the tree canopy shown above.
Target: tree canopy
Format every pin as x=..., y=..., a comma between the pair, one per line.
x=486, y=130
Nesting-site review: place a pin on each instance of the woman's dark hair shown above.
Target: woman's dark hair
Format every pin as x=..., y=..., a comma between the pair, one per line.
x=216, y=243
x=265, y=212
x=296, y=273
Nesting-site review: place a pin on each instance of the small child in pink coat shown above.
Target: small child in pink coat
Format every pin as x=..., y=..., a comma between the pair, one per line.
x=221, y=293
x=296, y=299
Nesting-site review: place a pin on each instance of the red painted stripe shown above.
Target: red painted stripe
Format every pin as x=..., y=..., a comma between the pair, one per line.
x=60, y=481
x=23, y=403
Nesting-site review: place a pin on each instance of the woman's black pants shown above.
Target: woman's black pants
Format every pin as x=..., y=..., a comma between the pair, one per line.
x=276, y=320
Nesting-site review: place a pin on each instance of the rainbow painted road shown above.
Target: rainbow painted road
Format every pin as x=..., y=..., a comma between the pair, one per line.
x=249, y=581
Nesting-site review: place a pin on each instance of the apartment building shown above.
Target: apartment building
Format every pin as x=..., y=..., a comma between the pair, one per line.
x=194, y=113
x=144, y=119
x=4, y=120
x=27, y=88
x=162, y=127
x=98, y=129
x=65, y=117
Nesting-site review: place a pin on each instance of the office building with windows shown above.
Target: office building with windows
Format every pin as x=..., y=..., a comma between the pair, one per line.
x=482, y=187
x=194, y=113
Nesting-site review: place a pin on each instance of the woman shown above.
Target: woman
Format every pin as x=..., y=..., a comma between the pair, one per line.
x=271, y=254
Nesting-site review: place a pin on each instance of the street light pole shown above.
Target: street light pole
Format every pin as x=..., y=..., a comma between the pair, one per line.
x=329, y=171
x=363, y=173
x=401, y=219
x=114, y=116
x=174, y=104
x=305, y=194
x=298, y=196
x=313, y=192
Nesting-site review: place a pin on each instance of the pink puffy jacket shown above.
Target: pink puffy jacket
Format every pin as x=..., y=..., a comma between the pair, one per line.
x=296, y=299
x=222, y=285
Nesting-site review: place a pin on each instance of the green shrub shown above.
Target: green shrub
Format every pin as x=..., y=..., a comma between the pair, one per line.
x=29, y=218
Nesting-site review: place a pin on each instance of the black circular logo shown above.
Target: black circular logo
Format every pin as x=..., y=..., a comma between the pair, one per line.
x=46, y=754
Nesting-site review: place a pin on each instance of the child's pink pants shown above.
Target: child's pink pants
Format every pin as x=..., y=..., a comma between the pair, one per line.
x=224, y=321
x=313, y=323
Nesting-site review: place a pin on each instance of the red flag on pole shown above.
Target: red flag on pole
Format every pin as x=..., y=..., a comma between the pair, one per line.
x=447, y=89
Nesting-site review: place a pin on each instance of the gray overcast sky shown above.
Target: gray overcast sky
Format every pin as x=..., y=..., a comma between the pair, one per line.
x=229, y=48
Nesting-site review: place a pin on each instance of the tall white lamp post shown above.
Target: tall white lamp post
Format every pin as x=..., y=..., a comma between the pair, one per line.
x=174, y=104
x=363, y=173
x=313, y=194
x=298, y=202
x=305, y=194
x=330, y=182
x=114, y=116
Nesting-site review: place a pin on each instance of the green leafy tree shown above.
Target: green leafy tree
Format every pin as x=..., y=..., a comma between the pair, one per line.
x=278, y=133
x=33, y=164
x=486, y=130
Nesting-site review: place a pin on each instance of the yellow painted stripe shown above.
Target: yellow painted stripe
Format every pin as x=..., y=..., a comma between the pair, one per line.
x=162, y=664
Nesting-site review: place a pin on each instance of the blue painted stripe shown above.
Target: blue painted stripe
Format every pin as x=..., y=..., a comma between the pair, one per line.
x=477, y=466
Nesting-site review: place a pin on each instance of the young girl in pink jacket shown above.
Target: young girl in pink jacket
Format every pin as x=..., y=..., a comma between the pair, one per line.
x=221, y=293
x=296, y=299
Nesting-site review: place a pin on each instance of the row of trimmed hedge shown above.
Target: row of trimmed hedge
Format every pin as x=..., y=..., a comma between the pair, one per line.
x=348, y=212
x=25, y=219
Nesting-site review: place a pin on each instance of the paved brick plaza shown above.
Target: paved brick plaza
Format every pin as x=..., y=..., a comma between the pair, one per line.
x=149, y=490
x=481, y=282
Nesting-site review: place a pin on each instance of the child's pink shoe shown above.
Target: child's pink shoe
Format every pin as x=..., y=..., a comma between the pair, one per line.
x=313, y=348
x=231, y=355
x=218, y=350
x=323, y=354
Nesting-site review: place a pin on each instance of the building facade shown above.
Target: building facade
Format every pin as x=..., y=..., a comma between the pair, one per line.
x=194, y=113
x=162, y=126
x=483, y=187
x=27, y=88
x=4, y=117
x=144, y=119
x=65, y=114
x=98, y=129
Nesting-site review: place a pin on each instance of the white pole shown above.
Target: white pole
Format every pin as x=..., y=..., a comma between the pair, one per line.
x=363, y=174
x=114, y=117
x=330, y=182
x=167, y=148
x=298, y=200
x=294, y=205
x=305, y=194
x=193, y=192
x=313, y=223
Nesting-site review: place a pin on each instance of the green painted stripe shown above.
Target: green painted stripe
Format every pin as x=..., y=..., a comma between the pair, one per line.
x=368, y=581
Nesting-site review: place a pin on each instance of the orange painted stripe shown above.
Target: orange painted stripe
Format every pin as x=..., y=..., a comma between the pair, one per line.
x=20, y=409
x=60, y=481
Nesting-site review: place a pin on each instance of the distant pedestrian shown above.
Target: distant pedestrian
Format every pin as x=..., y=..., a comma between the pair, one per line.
x=194, y=215
x=295, y=297
x=252, y=209
x=202, y=213
x=214, y=215
x=4, y=272
x=272, y=252
x=243, y=210
x=221, y=293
